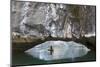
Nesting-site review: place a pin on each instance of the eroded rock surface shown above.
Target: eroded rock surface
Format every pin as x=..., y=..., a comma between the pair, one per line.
x=50, y=19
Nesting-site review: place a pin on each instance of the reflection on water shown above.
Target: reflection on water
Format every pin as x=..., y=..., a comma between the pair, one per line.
x=25, y=59
x=55, y=50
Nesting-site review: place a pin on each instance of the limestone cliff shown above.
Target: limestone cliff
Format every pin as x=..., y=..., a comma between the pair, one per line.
x=54, y=20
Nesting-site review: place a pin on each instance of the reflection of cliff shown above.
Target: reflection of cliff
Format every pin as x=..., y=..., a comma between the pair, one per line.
x=55, y=20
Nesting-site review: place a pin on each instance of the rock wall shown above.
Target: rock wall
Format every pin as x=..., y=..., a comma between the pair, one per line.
x=50, y=19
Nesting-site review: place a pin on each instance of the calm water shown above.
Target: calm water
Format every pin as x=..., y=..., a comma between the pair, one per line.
x=62, y=53
x=24, y=59
x=55, y=50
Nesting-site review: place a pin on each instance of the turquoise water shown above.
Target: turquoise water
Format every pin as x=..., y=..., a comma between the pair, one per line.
x=56, y=50
x=25, y=59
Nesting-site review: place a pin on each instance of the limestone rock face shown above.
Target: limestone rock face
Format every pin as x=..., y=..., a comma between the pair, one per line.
x=50, y=19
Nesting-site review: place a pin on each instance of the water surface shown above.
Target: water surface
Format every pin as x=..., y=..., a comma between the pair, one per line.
x=63, y=53
x=55, y=50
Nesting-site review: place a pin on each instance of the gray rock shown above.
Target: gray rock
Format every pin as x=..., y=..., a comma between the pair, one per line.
x=49, y=19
